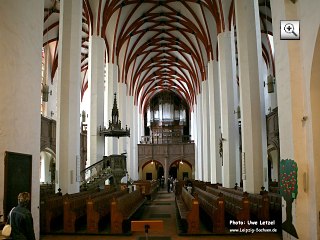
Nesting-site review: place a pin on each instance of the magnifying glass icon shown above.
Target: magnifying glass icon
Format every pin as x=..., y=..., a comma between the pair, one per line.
x=289, y=28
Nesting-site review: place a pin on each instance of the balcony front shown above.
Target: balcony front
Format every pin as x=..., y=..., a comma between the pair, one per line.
x=167, y=138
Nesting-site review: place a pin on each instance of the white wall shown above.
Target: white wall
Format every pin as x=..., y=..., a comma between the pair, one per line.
x=21, y=28
x=293, y=71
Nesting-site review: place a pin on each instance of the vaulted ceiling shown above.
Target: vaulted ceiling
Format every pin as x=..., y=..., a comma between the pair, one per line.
x=157, y=44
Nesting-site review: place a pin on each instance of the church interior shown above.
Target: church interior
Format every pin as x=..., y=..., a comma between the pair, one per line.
x=162, y=119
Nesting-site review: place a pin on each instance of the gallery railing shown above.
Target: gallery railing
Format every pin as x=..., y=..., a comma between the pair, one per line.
x=166, y=139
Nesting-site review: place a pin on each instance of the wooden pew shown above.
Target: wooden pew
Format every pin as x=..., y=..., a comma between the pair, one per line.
x=259, y=206
x=123, y=208
x=75, y=207
x=274, y=187
x=214, y=208
x=51, y=209
x=276, y=208
x=179, y=185
x=275, y=202
x=188, y=209
x=259, y=203
x=237, y=206
x=47, y=189
x=200, y=184
x=99, y=207
x=147, y=188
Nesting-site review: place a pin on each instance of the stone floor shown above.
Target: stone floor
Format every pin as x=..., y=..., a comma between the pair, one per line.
x=163, y=208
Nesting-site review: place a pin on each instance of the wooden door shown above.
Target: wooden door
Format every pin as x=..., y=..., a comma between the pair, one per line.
x=17, y=178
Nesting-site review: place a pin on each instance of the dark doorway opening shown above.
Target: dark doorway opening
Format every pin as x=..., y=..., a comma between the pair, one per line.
x=148, y=176
x=185, y=175
x=160, y=172
x=173, y=172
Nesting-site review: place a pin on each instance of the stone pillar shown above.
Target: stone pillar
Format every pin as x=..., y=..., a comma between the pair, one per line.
x=132, y=162
x=129, y=119
x=193, y=130
x=96, y=91
x=205, y=132
x=140, y=124
x=199, y=155
x=214, y=121
x=111, y=87
x=68, y=119
x=134, y=139
x=122, y=105
x=229, y=128
x=251, y=97
x=166, y=170
x=21, y=28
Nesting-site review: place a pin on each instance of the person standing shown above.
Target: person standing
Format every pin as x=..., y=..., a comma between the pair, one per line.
x=21, y=219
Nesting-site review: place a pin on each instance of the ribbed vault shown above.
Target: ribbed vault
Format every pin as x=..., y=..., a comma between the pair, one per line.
x=158, y=45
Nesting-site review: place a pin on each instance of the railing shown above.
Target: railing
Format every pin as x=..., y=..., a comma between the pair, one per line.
x=166, y=139
x=109, y=166
x=90, y=173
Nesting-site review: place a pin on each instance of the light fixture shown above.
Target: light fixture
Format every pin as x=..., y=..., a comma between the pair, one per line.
x=152, y=162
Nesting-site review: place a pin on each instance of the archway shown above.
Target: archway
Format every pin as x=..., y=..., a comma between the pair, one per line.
x=47, y=166
x=152, y=170
x=180, y=169
x=315, y=112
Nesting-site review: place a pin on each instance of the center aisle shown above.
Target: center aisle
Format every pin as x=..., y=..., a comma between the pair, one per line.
x=162, y=208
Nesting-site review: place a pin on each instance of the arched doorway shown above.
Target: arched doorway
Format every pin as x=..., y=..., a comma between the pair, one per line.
x=152, y=170
x=315, y=112
x=173, y=171
x=180, y=169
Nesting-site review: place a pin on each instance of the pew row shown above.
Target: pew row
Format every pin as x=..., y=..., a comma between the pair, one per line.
x=51, y=210
x=99, y=207
x=123, y=208
x=275, y=201
x=236, y=206
x=188, y=212
x=214, y=208
x=75, y=208
x=147, y=188
x=259, y=203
